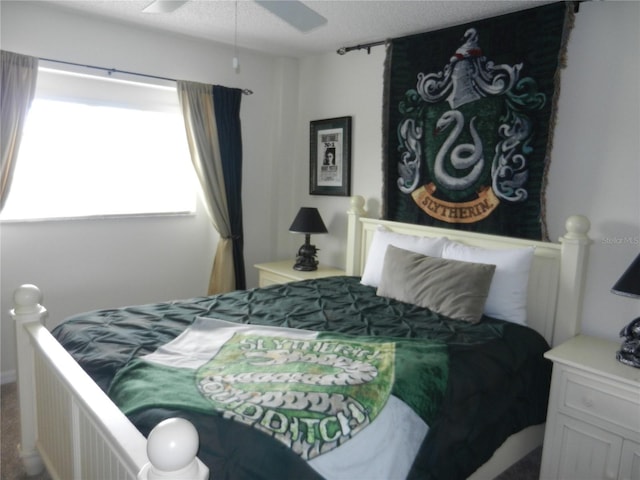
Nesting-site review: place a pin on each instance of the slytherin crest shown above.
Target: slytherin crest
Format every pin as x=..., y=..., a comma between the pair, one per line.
x=465, y=135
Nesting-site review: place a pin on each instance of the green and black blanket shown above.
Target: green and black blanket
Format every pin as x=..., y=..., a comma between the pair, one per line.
x=312, y=391
x=490, y=381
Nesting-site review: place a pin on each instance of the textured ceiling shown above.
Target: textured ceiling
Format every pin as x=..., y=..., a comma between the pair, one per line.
x=349, y=22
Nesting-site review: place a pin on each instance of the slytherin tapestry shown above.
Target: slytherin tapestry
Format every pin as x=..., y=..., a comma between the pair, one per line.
x=468, y=122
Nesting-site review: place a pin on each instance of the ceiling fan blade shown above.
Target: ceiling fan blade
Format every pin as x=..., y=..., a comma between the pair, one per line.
x=164, y=6
x=295, y=13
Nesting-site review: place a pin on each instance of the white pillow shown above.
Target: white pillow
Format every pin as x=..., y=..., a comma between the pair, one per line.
x=383, y=237
x=507, y=298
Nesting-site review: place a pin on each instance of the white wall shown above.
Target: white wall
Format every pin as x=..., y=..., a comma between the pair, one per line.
x=595, y=167
x=84, y=265
x=335, y=86
x=596, y=156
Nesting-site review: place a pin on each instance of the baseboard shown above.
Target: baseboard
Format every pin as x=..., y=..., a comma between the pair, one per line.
x=8, y=377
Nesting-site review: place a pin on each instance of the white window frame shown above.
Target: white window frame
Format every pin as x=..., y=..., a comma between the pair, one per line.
x=76, y=85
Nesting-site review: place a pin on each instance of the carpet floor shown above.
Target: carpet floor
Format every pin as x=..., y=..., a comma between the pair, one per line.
x=10, y=463
x=11, y=467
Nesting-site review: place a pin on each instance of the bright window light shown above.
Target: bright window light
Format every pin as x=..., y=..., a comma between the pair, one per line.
x=87, y=157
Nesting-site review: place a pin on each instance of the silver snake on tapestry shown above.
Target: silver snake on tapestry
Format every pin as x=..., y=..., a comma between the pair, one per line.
x=458, y=165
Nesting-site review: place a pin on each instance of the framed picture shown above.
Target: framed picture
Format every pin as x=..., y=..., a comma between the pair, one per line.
x=330, y=157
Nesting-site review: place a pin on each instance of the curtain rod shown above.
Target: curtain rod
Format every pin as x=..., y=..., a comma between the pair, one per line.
x=364, y=46
x=367, y=46
x=110, y=71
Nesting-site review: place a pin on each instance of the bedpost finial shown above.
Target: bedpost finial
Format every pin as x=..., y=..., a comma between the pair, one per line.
x=172, y=447
x=27, y=299
x=357, y=204
x=577, y=226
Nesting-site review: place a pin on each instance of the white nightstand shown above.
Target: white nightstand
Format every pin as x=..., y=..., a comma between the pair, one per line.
x=283, y=272
x=593, y=420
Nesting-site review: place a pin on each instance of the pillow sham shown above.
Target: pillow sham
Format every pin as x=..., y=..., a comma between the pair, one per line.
x=451, y=288
x=382, y=238
x=507, y=298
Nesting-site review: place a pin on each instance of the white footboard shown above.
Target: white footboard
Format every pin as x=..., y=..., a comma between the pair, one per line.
x=69, y=425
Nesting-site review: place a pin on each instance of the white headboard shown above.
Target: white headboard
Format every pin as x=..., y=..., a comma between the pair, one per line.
x=556, y=280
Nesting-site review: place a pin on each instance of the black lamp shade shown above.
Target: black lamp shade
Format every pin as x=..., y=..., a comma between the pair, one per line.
x=629, y=283
x=308, y=220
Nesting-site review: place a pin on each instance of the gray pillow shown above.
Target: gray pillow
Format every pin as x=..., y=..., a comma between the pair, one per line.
x=452, y=288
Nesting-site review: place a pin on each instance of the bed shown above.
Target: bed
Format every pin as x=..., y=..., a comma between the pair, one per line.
x=71, y=426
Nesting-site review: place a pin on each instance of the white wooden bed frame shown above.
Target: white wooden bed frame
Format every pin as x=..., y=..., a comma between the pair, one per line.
x=70, y=426
x=554, y=296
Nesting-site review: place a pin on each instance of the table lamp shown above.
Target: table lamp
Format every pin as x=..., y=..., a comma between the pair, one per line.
x=307, y=221
x=629, y=286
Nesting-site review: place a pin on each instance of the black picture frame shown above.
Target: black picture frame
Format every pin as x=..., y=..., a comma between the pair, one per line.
x=330, y=157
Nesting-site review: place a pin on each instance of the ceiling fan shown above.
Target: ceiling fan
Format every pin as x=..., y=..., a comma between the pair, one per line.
x=294, y=12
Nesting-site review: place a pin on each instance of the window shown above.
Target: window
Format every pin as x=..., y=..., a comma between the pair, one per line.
x=95, y=146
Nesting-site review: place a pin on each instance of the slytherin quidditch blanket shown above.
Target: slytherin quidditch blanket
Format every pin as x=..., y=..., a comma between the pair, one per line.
x=312, y=391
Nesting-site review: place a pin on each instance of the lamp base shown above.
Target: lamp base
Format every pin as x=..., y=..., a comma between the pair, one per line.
x=305, y=268
x=306, y=258
x=629, y=352
x=628, y=358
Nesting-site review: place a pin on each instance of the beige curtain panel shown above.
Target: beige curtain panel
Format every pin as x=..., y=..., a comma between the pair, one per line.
x=196, y=101
x=18, y=87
